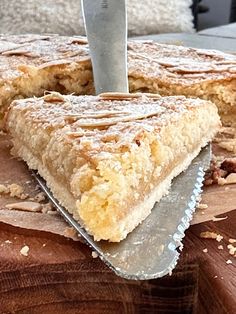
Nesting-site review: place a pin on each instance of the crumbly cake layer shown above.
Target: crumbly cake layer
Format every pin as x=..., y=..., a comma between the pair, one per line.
x=107, y=159
x=31, y=64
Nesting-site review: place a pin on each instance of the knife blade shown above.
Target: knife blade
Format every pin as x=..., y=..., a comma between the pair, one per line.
x=106, y=29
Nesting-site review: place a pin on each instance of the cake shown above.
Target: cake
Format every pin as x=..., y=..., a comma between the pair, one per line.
x=109, y=158
x=33, y=64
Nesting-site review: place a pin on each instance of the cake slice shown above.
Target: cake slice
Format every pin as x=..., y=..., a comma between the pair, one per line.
x=178, y=70
x=109, y=158
x=33, y=64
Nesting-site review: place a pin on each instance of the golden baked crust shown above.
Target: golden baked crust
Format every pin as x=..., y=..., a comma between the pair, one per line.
x=31, y=64
x=177, y=70
x=109, y=158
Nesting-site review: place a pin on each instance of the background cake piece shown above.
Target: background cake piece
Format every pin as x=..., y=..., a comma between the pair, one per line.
x=33, y=64
x=177, y=70
x=109, y=158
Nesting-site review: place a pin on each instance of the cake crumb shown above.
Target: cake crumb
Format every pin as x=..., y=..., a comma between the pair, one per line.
x=229, y=261
x=219, y=238
x=220, y=247
x=205, y=250
x=232, y=249
x=94, y=254
x=215, y=276
x=15, y=190
x=8, y=241
x=3, y=189
x=24, y=250
x=202, y=206
x=211, y=235
x=232, y=240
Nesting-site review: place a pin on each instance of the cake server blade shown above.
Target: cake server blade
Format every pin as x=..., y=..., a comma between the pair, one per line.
x=106, y=29
x=152, y=249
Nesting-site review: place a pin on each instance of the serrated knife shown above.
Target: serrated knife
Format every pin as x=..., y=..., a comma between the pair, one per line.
x=149, y=251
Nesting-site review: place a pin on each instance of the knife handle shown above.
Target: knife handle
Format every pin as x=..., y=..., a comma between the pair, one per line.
x=106, y=28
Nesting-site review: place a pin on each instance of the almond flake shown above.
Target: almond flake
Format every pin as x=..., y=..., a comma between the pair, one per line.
x=25, y=206
x=231, y=178
x=219, y=219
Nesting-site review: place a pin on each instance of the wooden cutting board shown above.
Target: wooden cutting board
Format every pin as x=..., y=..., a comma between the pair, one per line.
x=60, y=275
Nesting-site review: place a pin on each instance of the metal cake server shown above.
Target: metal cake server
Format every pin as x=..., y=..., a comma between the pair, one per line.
x=149, y=251
x=106, y=29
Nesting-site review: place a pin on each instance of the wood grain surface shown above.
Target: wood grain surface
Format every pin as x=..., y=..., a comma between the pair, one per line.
x=60, y=275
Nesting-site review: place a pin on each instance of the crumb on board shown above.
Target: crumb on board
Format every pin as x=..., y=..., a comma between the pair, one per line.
x=232, y=240
x=3, y=189
x=229, y=261
x=14, y=190
x=202, y=206
x=211, y=235
x=220, y=247
x=205, y=250
x=94, y=254
x=25, y=206
x=219, y=238
x=8, y=241
x=24, y=250
x=232, y=249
